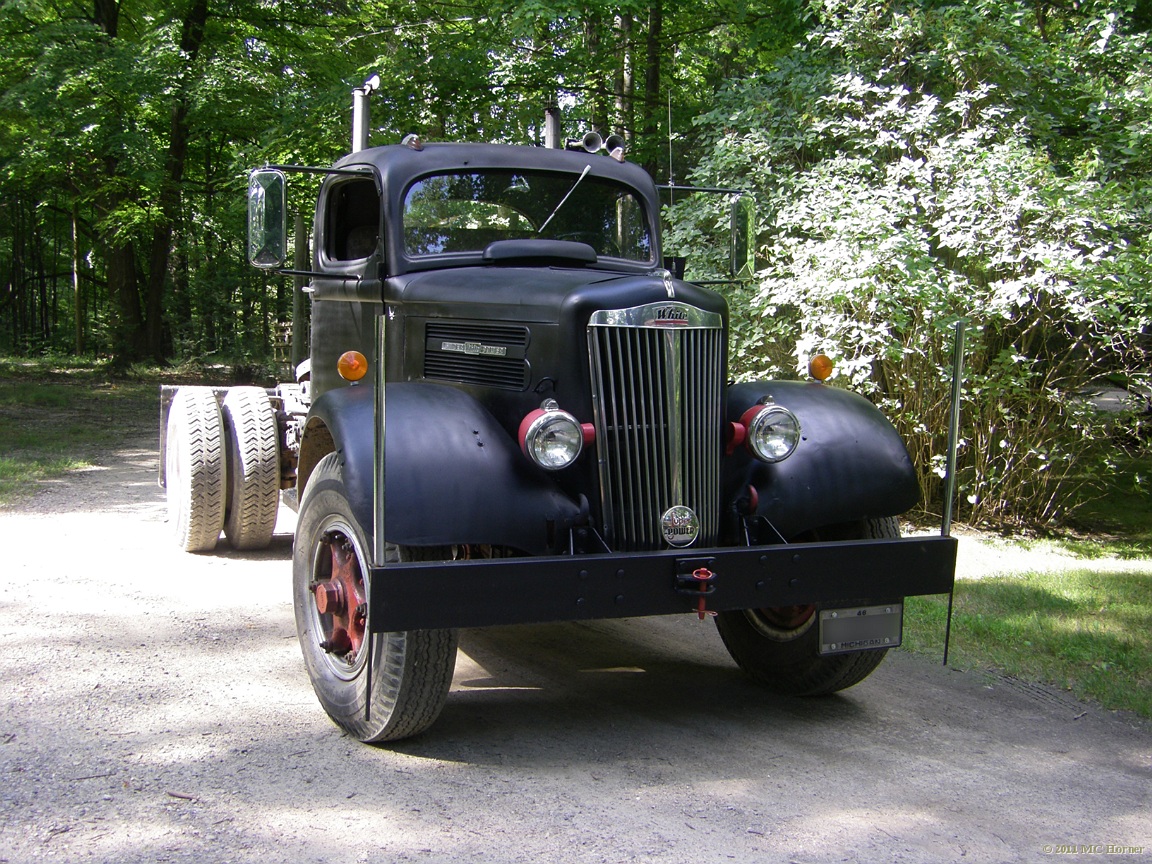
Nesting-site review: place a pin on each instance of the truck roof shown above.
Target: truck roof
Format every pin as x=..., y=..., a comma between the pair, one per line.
x=397, y=166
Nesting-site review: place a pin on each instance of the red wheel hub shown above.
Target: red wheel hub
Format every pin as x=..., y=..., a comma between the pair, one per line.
x=787, y=617
x=340, y=596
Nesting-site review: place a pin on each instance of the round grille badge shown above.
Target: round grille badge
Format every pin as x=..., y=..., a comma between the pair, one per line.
x=680, y=526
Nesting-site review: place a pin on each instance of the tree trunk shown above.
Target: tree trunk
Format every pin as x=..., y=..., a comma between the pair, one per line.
x=192, y=36
x=124, y=292
x=106, y=16
x=625, y=79
x=77, y=295
x=652, y=101
x=127, y=330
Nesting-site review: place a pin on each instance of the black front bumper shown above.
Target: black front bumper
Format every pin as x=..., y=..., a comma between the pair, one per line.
x=420, y=596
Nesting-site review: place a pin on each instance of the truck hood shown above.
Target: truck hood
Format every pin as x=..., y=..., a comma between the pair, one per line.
x=538, y=294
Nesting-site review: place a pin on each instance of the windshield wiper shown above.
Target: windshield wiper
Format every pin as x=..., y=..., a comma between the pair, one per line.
x=579, y=180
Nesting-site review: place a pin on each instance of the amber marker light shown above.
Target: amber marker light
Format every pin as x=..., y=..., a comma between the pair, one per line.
x=352, y=365
x=820, y=367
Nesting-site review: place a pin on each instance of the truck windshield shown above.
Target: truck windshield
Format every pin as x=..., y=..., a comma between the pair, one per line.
x=465, y=211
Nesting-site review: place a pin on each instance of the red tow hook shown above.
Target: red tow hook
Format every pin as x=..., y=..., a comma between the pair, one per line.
x=704, y=577
x=696, y=579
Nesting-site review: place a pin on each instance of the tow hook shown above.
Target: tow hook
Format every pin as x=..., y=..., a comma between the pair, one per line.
x=696, y=579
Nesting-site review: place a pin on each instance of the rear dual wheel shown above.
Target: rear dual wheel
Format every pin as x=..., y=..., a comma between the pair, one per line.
x=222, y=468
x=253, y=467
x=779, y=647
x=195, y=470
x=376, y=686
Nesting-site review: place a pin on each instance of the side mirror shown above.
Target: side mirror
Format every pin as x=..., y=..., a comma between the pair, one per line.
x=267, y=218
x=743, y=263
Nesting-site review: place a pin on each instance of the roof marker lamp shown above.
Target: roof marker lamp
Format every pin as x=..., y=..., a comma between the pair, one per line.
x=773, y=432
x=552, y=438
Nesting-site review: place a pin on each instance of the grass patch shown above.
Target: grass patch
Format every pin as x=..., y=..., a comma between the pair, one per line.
x=50, y=427
x=1084, y=631
x=16, y=475
x=1117, y=522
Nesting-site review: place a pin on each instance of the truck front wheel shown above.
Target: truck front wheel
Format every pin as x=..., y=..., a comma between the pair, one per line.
x=779, y=647
x=376, y=686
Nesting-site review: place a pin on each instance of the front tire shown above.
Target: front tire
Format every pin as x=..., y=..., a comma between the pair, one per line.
x=779, y=647
x=377, y=687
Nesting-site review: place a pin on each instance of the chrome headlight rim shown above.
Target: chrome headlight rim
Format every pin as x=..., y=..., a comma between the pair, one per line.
x=773, y=432
x=540, y=430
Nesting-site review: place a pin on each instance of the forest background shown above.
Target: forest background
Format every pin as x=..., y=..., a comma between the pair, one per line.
x=915, y=165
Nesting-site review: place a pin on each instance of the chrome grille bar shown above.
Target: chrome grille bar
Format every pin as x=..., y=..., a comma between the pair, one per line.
x=657, y=379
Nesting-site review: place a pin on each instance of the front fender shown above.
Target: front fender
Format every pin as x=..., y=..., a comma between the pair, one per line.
x=850, y=463
x=453, y=475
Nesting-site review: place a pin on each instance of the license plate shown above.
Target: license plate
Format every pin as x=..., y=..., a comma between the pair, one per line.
x=861, y=628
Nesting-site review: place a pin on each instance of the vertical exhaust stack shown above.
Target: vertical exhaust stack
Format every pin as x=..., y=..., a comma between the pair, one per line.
x=552, y=138
x=361, y=114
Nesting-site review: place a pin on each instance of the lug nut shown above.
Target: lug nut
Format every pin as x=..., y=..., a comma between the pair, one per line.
x=340, y=643
x=330, y=598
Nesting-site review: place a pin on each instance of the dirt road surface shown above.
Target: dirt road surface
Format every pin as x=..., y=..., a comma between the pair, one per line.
x=154, y=707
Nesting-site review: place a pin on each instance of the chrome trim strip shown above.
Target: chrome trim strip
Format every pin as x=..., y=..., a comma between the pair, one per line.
x=670, y=314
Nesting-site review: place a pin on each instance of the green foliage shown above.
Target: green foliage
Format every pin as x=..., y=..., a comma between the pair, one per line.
x=126, y=131
x=915, y=169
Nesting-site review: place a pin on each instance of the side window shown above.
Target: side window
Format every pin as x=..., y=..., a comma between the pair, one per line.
x=353, y=220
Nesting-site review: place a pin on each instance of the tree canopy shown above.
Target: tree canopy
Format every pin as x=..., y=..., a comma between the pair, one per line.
x=923, y=164
x=126, y=128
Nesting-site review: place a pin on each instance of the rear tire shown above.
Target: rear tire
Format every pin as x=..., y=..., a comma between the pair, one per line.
x=410, y=671
x=195, y=473
x=779, y=648
x=253, y=468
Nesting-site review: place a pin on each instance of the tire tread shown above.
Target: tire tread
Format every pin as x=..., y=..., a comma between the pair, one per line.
x=196, y=470
x=254, y=463
x=411, y=670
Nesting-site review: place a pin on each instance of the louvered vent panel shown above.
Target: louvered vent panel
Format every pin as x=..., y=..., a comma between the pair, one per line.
x=486, y=355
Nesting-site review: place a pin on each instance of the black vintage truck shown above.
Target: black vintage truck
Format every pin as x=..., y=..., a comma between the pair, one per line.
x=513, y=412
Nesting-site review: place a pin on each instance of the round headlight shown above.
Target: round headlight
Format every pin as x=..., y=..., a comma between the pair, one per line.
x=551, y=438
x=773, y=432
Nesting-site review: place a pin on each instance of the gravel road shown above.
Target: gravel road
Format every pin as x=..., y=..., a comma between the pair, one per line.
x=154, y=707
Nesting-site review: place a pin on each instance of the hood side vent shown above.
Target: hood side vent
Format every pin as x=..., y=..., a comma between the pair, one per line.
x=486, y=355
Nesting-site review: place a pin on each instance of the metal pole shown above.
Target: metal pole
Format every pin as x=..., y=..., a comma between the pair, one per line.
x=299, y=327
x=361, y=119
x=552, y=130
x=953, y=428
x=950, y=461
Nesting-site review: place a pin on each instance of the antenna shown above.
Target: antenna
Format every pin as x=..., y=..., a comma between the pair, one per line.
x=671, y=174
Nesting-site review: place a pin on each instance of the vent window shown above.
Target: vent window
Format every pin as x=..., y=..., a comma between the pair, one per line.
x=353, y=220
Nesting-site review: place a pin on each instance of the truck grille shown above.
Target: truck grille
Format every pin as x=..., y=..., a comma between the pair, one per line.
x=657, y=383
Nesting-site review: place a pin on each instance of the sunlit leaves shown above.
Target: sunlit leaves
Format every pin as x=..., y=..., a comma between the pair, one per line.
x=916, y=166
